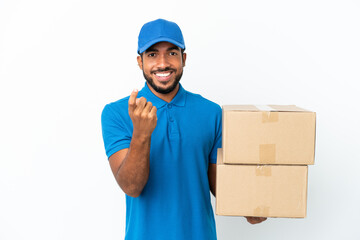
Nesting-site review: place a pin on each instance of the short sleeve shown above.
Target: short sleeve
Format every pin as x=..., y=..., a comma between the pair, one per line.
x=116, y=134
x=218, y=133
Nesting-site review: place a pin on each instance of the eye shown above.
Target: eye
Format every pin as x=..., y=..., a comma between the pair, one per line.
x=151, y=55
x=173, y=53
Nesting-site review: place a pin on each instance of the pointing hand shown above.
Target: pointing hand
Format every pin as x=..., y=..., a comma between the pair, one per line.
x=142, y=114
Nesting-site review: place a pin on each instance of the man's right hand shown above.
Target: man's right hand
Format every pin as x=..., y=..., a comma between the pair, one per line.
x=131, y=166
x=142, y=114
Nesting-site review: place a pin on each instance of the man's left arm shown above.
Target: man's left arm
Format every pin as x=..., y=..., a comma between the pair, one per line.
x=212, y=178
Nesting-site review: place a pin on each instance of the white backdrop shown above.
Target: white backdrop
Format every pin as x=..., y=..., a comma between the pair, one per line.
x=62, y=61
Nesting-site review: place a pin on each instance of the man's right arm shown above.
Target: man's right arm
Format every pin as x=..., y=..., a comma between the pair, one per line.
x=131, y=166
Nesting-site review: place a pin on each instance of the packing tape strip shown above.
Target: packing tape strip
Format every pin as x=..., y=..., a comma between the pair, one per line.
x=265, y=108
x=270, y=117
x=269, y=114
x=263, y=170
x=262, y=211
x=267, y=153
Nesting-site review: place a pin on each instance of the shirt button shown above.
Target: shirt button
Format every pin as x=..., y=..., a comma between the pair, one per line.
x=171, y=119
x=169, y=106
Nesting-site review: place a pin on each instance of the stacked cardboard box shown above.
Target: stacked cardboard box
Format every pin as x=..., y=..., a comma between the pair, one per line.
x=262, y=166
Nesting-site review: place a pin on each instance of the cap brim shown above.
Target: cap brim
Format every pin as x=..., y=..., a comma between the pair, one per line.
x=161, y=39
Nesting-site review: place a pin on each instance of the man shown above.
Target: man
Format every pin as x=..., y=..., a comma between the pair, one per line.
x=162, y=143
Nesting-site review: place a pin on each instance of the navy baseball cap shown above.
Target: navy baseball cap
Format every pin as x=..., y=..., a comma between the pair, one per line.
x=159, y=30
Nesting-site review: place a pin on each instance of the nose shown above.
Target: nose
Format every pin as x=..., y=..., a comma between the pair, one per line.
x=163, y=61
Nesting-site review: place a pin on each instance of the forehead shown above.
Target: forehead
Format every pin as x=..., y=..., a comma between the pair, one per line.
x=162, y=46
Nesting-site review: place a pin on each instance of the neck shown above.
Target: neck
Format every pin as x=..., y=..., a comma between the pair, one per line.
x=166, y=97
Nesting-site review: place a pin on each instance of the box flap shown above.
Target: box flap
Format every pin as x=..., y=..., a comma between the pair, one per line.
x=256, y=108
x=288, y=108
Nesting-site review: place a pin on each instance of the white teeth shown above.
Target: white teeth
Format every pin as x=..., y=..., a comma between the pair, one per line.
x=162, y=74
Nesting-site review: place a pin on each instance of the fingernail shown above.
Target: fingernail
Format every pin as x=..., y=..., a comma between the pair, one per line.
x=135, y=90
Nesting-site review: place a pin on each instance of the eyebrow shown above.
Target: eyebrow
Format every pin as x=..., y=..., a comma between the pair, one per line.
x=173, y=48
x=151, y=49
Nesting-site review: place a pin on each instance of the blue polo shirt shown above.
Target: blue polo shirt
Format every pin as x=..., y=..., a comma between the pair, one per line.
x=175, y=203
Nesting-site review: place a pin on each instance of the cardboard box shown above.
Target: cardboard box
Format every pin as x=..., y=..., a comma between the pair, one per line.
x=261, y=190
x=270, y=134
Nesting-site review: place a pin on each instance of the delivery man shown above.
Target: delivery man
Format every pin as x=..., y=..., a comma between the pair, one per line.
x=162, y=143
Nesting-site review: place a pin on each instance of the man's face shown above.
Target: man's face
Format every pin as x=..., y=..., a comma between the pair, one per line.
x=162, y=66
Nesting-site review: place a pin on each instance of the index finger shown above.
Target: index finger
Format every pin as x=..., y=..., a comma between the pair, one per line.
x=132, y=99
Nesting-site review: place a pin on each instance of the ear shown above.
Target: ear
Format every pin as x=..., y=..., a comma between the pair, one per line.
x=139, y=60
x=183, y=59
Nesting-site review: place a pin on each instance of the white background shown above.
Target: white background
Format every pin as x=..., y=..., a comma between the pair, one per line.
x=62, y=61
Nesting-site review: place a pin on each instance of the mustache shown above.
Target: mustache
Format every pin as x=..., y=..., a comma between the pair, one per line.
x=163, y=70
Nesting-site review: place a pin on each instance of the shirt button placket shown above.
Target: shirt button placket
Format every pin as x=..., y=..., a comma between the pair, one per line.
x=171, y=118
x=173, y=129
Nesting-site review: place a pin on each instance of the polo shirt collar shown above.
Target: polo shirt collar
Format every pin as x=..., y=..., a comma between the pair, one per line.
x=179, y=99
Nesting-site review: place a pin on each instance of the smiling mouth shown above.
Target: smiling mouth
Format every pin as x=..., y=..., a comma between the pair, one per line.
x=163, y=77
x=162, y=74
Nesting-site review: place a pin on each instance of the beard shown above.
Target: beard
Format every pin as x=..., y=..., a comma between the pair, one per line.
x=161, y=90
